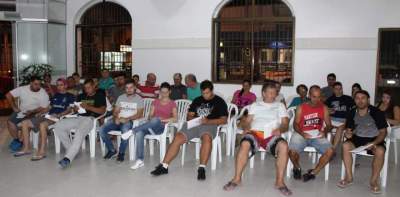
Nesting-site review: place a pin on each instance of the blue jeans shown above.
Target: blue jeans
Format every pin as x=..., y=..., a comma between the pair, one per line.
x=153, y=127
x=111, y=126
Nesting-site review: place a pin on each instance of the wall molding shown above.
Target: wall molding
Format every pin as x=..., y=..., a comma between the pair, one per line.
x=361, y=43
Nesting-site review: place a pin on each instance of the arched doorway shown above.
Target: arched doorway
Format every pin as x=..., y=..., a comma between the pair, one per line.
x=254, y=40
x=103, y=40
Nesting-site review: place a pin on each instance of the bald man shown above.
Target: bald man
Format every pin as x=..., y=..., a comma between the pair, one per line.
x=149, y=89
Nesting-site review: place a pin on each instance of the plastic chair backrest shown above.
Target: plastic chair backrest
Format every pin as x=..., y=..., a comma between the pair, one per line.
x=182, y=106
x=147, y=107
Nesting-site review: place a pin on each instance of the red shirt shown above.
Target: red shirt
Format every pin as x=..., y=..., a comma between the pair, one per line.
x=311, y=117
x=148, y=91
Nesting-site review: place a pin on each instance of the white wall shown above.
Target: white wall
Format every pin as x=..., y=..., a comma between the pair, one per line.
x=337, y=36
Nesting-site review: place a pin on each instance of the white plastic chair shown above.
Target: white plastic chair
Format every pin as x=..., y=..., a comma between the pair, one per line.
x=235, y=128
x=162, y=140
x=182, y=106
x=364, y=153
x=394, y=136
x=92, y=138
x=227, y=128
x=215, y=151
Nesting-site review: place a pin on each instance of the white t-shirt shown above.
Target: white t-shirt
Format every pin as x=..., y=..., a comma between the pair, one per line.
x=267, y=116
x=280, y=98
x=30, y=100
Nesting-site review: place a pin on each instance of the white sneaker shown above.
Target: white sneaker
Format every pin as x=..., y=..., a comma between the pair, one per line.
x=138, y=164
x=126, y=135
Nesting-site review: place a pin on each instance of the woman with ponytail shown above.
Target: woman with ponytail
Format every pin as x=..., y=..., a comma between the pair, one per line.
x=244, y=97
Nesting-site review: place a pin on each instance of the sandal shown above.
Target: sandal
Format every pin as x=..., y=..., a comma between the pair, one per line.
x=38, y=157
x=344, y=184
x=284, y=190
x=375, y=189
x=22, y=153
x=230, y=186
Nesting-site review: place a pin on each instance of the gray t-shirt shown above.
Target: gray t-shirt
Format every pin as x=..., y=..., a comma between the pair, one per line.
x=327, y=92
x=30, y=100
x=129, y=105
x=365, y=126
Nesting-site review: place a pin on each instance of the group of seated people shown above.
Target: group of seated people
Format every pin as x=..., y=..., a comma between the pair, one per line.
x=317, y=112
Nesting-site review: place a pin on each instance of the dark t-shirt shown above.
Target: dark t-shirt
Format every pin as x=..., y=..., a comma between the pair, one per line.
x=177, y=92
x=362, y=126
x=342, y=105
x=212, y=109
x=60, y=102
x=97, y=100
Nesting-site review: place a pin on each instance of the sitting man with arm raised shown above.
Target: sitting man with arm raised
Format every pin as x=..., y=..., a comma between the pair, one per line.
x=213, y=111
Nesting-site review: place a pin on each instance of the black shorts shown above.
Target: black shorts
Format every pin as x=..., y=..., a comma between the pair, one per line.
x=358, y=141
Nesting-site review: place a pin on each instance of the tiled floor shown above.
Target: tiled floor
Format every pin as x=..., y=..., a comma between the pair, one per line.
x=95, y=177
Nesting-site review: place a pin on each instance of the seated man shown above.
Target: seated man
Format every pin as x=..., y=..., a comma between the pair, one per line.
x=128, y=107
x=192, y=87
x=178, y=90
x=365, y=125
x=117, y=89
x=94, y=103
x=213, y=112
x=149, y=89
x=309, y=131
x=33, y=100
x=59, y=106
x=339, y=106
x=268, y=120
x=105, y=82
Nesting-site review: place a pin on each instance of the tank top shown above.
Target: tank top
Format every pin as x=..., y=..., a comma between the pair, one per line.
x=311, y=117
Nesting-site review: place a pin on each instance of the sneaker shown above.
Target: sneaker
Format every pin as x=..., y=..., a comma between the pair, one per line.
x=64, y=163
x=120, y=158
x=110, y=154
x=138, y=164
x=160, y=170
x=308, y=176
x=297, y=173
x=126, y=135
x=201, y=174
x=15, y=145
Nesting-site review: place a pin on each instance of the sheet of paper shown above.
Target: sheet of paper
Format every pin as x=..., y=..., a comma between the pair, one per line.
x=52, y=118
x=21, y=114
x=80, y=110
x=315, y=133
x=194, y=122
x=361, y=148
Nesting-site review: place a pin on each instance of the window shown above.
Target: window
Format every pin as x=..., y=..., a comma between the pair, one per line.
x=388, y=76
x=103, y=40
x=253, y=39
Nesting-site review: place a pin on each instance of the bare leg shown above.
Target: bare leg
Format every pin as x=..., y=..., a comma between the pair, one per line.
x=26, y=126
x=282, y=150
x=348, y=160
x=205, y=150
x=338, y=137
x=295, y=158
x=173, y=148
x=12, y=129
x=43, y=138
x=241, y=161
x=326, y=157
x=377, y=164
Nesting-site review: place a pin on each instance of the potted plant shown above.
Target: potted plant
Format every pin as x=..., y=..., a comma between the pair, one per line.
x=38, y=70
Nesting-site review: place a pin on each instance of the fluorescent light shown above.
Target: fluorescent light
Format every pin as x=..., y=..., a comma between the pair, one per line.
x=391, y=82
x=24, y=57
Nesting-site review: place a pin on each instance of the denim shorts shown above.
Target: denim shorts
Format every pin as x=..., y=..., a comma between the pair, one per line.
x=298, y=143
x=15, y=119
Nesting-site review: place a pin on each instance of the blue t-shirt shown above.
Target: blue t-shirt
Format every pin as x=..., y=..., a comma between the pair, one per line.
x=60, y=102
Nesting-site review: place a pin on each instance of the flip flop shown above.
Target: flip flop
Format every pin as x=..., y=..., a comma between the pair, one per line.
x=230, y=186
x=38, y=157
x=21, y=153
x=284, y=190
x=344, y=184
x=375, y=189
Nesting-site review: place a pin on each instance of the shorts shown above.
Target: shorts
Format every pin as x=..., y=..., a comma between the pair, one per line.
x=15, y=119
x=298, y=143
x=199, y=131
x=268, y=144
x=36, y=122
x=358, y=141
